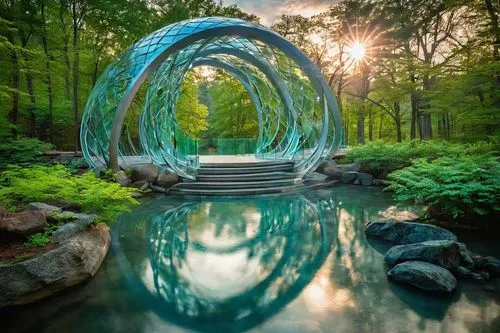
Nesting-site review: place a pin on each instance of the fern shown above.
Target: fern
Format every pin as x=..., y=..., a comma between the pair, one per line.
x=386, y=157
x=464, y=186
x=41, y=183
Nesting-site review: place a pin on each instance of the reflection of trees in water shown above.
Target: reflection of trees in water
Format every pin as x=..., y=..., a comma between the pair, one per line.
x=290, y=244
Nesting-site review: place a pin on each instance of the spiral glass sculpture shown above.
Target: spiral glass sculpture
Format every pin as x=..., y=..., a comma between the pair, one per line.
x=297, y=112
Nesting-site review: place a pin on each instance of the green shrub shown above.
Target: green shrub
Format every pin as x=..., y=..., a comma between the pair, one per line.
x=23, y=151
x=42, y=238
x=51, y=184
x=386, y=157
x=39, y=239
x=464, y=186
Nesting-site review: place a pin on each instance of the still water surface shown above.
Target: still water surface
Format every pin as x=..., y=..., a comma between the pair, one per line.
x=294, y=263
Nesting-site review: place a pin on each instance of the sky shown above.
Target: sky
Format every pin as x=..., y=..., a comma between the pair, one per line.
x=270, y=10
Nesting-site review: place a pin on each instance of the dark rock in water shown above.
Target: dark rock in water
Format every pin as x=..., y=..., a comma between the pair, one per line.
x=407, y=232
x=334, y=170
x=379, y=182
x=479, y=261
x=365, y=179
x=438, y=252
x=147, y=172
x=492, y=265
x=466, y=257
x=424, y=275
x=485, y=275
x=48, y=210
x=23, y=224
x=463, y=272
x=468, y=274
x=167, y=179
x=349, y=177
x=70, y=229
x=477, y=277
x=47, y=273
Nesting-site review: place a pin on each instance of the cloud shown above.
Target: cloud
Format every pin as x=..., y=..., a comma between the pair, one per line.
x=269, y=11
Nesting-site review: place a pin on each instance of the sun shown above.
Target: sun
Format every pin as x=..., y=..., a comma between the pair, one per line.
x=357, y=51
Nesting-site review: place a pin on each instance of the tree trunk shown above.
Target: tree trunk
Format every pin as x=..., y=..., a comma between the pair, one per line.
x=49, y=78
x=15, y=83
x=361, y=129
x=397, y=120
x=32, y=106
x=95, y=71
x=76, y=60
x=380, y=126
x=426, y=126
x=370, y=125
x=30, y=85
x=67, y=64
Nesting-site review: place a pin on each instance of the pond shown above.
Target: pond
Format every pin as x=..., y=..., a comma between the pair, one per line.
x=289, y=263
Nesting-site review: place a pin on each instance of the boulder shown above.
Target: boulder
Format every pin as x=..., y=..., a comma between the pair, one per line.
x=140, y=184
x=466, y=259
x=349, y=177
x=167, y=179
x=479, y=261
x=70, y=229
x=424, y=275
x=492, y=265
x=365, y=179
x=463, y=272
x=443, y=253
x=23, y=224
x=147, y=172
x=73, y=262
x=379, y=182
x=122, y=178
x=478, y=277
x=48, y=210
x=65, y=216
x=485, y=275
x=334, y=170
x=407, y=232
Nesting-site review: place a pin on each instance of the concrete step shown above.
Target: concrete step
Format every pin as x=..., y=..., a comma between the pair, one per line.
x=248, y=191
x=245, y=164
x=245, y=177
x=234, y=185
x=245, y=170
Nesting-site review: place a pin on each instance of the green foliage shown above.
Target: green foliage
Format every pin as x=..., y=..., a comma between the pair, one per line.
x=48, y=184
x=23, y=151
x=233, y=115
x=190, y=113
x=76, y=164
x=464, y=186
x=42, y=238
x=386, y=157
x=39, y=239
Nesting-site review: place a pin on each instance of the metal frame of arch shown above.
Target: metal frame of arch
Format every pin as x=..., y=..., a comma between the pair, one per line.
x=305, y=126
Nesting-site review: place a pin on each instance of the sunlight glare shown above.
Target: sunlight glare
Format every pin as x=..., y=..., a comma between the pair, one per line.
x=357, y=51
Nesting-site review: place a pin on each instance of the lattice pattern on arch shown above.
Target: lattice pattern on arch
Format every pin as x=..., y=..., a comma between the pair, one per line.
x=298, y=116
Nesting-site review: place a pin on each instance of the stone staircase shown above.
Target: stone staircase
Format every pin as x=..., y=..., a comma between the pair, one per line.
x=237, y=179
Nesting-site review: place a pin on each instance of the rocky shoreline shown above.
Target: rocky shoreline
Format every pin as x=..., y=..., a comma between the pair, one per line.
x=76, y=250
x=428, y=257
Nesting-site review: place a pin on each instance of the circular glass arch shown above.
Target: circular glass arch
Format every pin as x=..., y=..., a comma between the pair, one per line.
x=297, y=112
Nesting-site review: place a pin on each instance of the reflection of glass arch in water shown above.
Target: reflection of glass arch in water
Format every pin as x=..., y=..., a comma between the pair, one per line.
x=298, y=116
x=288, y=245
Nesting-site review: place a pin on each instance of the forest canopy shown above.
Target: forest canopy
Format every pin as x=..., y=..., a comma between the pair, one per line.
x=401, y=69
